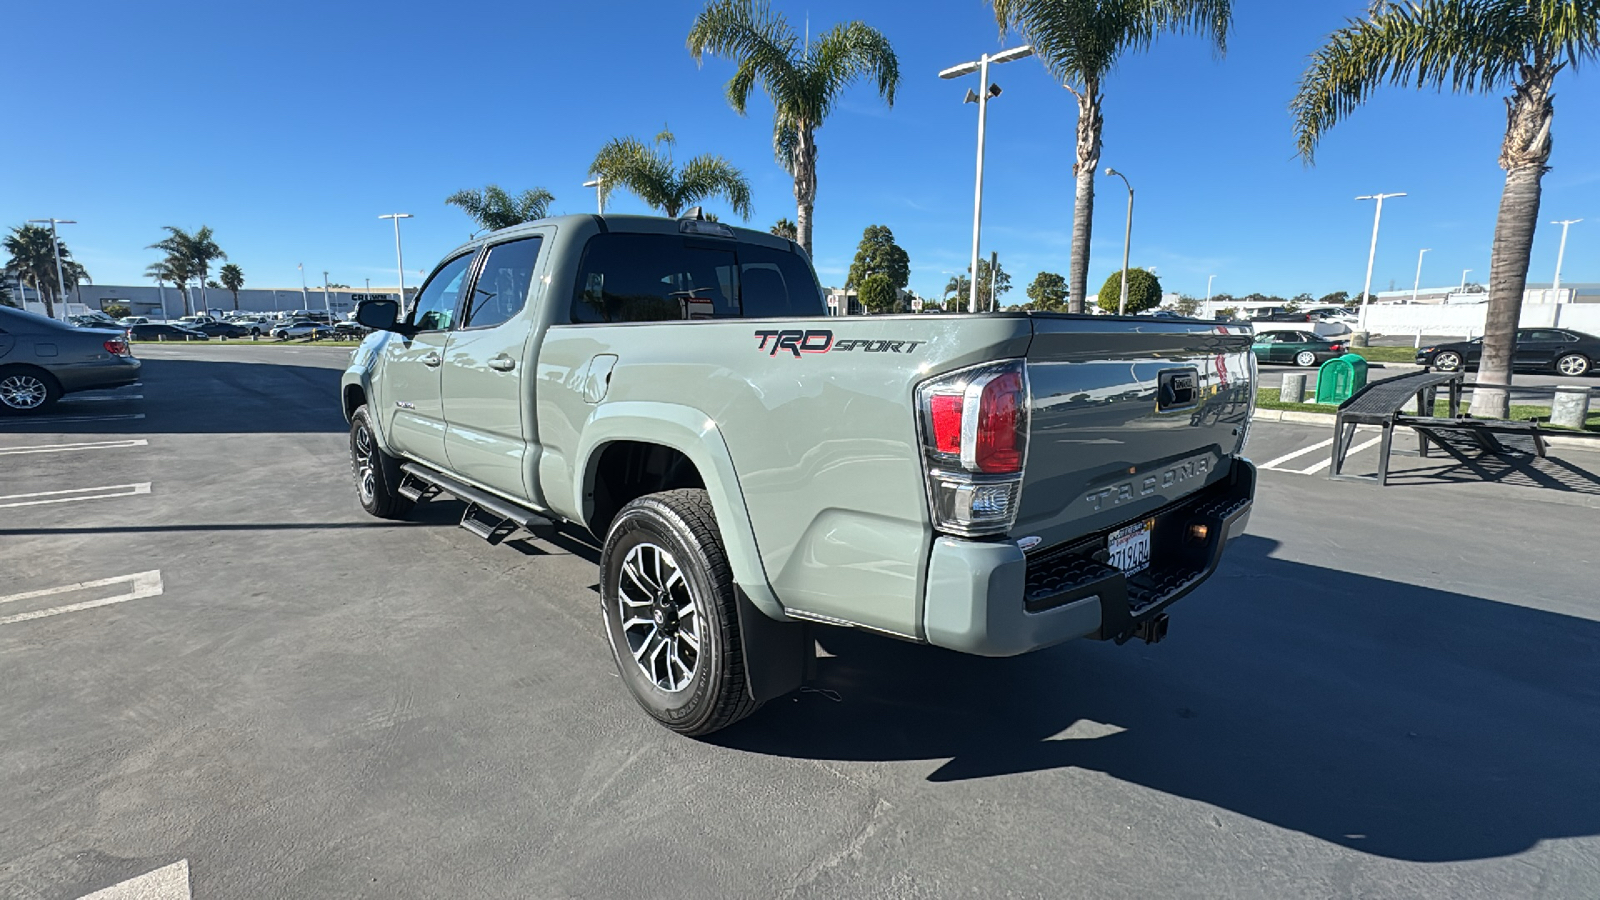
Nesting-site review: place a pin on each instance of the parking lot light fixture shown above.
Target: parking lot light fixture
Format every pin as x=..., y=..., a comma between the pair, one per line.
x=327, y=305
x=399, y=261
x=985, y=92
x=1464, y=280
x=1127, y=242
x=61, y=281
x=1377, y=217
x=1417, y=285
x=305, y=302
x=599, y=194
x=1561, y=254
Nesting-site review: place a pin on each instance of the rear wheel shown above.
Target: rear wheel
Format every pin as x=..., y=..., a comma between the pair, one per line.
x=667, y=598
x=1448, y=361
x=377, y=473
x=24, y=390
x=1573, y=364
x=1305, y=359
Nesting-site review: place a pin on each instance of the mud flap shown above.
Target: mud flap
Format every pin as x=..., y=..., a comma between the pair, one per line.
x=776, y=654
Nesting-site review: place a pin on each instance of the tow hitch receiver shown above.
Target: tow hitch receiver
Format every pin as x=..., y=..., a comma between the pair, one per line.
x=1152, y=630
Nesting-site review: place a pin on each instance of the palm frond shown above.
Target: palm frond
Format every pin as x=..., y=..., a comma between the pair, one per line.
x=630, y=164
x=759, y=39
x=711, y=176
x=786, y=144
x=1080, y=41
x=845, y=53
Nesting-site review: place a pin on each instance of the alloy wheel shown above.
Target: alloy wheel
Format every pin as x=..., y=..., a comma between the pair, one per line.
x=1572, y=364
x=23, y=391
x=661, y=618
x=1305, y=358
x=366, y=460
x=1447, y=362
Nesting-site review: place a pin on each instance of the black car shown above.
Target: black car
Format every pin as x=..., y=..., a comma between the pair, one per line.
x=1280, y=316
x=1539, y=349
x=221, y=329
x=161, y=331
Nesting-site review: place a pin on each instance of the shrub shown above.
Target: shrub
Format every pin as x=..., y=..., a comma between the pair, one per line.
x=1144, y=291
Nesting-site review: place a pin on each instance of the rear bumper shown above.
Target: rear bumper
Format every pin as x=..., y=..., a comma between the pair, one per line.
x=990, y=599
x=113, y=372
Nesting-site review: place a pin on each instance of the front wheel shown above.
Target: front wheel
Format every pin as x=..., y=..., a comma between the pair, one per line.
x=377, y=473
x=667, y=599
x=1573, y=364
x=1305, y=359
x=1448, y=361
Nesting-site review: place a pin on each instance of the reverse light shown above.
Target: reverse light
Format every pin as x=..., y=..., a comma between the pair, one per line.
x=973, y=426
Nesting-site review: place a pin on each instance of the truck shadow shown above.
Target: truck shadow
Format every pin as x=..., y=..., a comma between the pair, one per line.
x=190, y=396
x=1397, y=720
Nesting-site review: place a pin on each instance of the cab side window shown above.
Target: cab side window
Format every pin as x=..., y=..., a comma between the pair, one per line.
x=436, y=306
x=502, y=287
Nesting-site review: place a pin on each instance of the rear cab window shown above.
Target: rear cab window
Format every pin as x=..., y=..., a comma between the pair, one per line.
x=674, y=277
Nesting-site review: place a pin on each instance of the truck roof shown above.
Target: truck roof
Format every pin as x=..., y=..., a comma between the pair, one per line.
x=631, y=224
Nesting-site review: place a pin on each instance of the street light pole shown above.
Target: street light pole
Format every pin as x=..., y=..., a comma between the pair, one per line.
x=1127, y=243
x=599, y=194
x=1417, y=285
x=1209, y=279
x=981, y=97
x=399, y=261
x=1372, y=254
x=55, y=247
x=1464, y=280
x=1561, y=254
x=305, y=301
x=327, y=305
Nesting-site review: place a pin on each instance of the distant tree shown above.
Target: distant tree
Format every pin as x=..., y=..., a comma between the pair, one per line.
x=493, y=209
x=116, y=310
x=1300, y=301
x=1228, y=312
x=878, y=254
x=1337, y=298
x=802, y=76
x=956, y=290
x=174, y=269
x=232, y=279
x=32, y=257
x=1144, y=291
x=647, y=170
x=990, y=290
x=1186, y=305
x=785, y=229
x=1048, y=292
x=188, y=254
x=213, y=284
x=5, y=297
x=878, y=294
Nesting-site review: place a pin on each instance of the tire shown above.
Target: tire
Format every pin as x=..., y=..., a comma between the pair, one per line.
x=666, y=591
x=25, y=390
x=1448, y=361
x=1305, y=359
x=1573, y=364
x=377, y=474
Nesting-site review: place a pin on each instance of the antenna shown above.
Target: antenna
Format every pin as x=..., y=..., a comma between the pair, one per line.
x=808, y=32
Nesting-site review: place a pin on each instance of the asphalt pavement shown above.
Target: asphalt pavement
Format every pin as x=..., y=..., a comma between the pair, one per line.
x=216, y=664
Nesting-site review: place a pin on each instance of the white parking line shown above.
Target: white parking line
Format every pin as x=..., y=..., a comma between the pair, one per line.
x=102, y=399
x=140, y=584
x=76, y=494
x=46, y=420
x=67, y=448
x=1328, y=462
x=1296, y=454
x=166, y=883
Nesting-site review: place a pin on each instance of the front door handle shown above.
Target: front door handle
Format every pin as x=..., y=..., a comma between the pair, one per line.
x=431, y=360
x=502, y=363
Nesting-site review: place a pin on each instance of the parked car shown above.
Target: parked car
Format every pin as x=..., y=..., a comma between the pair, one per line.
x=165, y=331
x=42, y=359
x=298, y=328
x=1280, y=316
x=1299, y=348
x=221, y=329
x=93, y=320
x=1540, y=349
x=349, y=331
x=125, y=321
x=992, y=485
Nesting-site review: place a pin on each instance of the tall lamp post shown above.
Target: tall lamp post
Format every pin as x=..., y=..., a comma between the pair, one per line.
x=981, y=97
x=1464, y=280
x=55, y=247
x=327, y=305
x=1561, y=254
x=305, y=301
x=1417, y=285
x=1372, y=254
x=599, y=194
x=1127, y=242
x=399, y=261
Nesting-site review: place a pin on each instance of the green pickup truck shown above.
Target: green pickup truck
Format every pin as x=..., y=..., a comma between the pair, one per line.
x=753, y=467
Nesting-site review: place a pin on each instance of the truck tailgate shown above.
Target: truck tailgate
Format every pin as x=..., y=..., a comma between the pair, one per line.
x=1128, y=417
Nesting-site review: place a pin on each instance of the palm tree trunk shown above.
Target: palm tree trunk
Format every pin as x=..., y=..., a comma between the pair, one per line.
x=1083, y=170
x=1523, y=156
x=805, y=185
x=47, y=297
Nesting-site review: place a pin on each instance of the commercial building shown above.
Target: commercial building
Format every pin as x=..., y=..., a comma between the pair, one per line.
x=167, y=302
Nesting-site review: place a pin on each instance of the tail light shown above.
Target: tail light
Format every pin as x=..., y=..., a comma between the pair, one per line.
x=117, y=347
x=973, y=425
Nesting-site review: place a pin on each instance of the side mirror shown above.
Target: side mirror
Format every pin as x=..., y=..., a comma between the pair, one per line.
x=380, y=314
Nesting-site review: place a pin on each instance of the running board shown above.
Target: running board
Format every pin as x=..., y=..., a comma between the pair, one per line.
x=492, y=518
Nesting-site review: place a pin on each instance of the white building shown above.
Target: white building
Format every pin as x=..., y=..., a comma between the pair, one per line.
x=167, y=302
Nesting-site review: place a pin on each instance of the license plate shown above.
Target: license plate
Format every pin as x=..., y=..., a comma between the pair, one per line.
x=1129, y=548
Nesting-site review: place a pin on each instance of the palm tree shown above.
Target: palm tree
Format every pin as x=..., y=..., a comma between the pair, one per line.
x=1472, y=46
x=648, y=172
x=232, y=279
x=32, y=257
x=960, y=286
x=785, y=229
x=802, y=78
x=189, y=253
x=1080, y=42
x=493, y=209
x=176, y=269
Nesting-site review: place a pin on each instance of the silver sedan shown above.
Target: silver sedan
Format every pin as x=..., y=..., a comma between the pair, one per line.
x=41, y=359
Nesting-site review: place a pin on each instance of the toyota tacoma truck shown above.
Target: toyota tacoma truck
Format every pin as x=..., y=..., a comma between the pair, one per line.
x=751, y=466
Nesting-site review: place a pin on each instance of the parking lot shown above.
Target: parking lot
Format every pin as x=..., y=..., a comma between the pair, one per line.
x=213, y=658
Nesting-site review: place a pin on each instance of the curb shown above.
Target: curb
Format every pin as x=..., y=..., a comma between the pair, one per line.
x=1305, y=418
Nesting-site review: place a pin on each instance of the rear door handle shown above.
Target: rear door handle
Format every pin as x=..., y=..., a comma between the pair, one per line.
x=502, y=363
x=431, y=360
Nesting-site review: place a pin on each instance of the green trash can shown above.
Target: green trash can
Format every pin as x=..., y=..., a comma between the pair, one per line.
x=1340, y=378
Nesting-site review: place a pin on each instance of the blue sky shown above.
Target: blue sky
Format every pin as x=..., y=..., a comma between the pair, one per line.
x=288, y=127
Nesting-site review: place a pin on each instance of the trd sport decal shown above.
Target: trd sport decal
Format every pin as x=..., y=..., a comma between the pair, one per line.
x=798, y=342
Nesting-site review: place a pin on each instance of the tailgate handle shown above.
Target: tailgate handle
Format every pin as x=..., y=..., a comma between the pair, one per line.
x=1178, y=389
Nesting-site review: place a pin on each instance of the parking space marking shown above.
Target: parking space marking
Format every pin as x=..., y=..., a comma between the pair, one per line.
x=140, y=585
x=166, y=883
x=68, y=448
x=1297, y=454
x=1328, y=462
x=46, y=420
x=75, y=494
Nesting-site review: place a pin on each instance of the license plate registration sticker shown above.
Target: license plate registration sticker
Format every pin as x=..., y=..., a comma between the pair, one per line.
x=1129, y=548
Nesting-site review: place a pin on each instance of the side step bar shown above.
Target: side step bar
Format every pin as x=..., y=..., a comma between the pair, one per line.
x=492, y=518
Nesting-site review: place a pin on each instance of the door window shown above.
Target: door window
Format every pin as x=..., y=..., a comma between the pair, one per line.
x=436, y=305
x=503, y=284
x=1540, y=337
